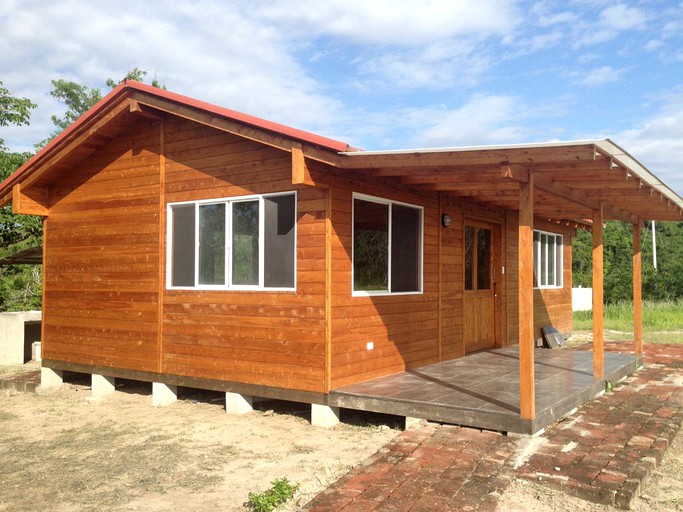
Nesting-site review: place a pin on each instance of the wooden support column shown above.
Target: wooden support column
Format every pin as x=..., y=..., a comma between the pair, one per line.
x=637, y=291
x=598, y=296
x=525, y=238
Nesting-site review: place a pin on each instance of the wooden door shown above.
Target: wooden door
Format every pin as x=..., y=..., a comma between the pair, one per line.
x=479, y=323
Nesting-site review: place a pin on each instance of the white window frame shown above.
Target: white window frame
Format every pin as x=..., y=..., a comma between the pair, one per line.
x=420, y=263
x=228, y=201
x=557, y=259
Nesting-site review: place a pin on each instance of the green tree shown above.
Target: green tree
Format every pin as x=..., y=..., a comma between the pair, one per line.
x=138, y=75
x=20, y=285
x=13, y=111
x=663, y=283
x=77, y=98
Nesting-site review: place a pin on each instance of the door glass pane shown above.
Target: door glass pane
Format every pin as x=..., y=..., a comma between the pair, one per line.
x=483, y=259
x=370, y=246
x=279, y=241
x=245, y=243
x=405, y=248
x=469, y=257
x=182, y=273
x=212, y=244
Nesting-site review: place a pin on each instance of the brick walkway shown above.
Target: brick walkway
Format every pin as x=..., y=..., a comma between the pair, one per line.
x=602, y=453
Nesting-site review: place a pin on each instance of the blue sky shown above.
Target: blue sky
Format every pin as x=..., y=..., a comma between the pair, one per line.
x=378, y=74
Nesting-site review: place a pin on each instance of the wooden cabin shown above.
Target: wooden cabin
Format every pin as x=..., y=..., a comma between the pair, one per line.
x=191, y=245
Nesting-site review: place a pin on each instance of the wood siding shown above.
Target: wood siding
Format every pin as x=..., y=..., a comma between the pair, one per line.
x=102, y=257
x=255, y=337
x=107, y=303
x=552, y=306
x=402, y=327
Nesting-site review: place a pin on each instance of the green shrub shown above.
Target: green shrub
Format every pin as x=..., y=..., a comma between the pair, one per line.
x=280, y=492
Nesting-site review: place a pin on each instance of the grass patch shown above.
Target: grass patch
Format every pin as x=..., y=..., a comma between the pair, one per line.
x=662, y=321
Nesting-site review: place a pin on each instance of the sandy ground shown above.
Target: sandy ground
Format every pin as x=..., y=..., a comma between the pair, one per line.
x=663, y=491
x=63, y=451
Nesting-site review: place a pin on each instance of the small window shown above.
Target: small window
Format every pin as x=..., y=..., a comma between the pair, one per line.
x=241, y=242
x=547, y=260
x=387, y=246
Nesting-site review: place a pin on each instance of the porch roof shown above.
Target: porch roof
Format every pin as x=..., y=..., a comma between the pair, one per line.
x=571, y=179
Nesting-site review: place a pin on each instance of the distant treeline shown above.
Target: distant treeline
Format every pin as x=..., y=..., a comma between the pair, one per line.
x=664, y=283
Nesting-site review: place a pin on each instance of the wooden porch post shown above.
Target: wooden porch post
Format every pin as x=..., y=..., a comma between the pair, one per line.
x=598, y=296
x=637, y=292
x=525, y=239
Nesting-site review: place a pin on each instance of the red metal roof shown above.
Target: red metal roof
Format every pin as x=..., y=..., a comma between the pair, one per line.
x=128, y=85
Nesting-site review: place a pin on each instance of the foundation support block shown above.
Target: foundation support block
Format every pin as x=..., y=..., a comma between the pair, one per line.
x=163, y=394
x=412, y=422
x=324, y=415
x=238, y=404
x=50, y=378
x=102, y=385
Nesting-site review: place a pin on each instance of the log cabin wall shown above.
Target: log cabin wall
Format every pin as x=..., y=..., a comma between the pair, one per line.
x=452, y=284
x=107, y=303
x=552, y=306
x=257, y=337
x=101, y=262
x=402, y=327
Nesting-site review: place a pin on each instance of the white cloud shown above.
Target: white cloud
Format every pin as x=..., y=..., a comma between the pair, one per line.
x=437, y=66
x=484, y=119
x=601, y=76
x=612, y=21
x=546, y=17
x=653, y=45
x=389, y=22
x=658, y=142
x=623, y=17
x=208, y=50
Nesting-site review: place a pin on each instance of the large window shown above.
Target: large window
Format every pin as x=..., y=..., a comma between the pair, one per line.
x=387, y=246
x=547, y=260
x=243, y=243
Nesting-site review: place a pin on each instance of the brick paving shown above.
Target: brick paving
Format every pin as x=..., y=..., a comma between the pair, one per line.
x=432, y=468
x=603, y=452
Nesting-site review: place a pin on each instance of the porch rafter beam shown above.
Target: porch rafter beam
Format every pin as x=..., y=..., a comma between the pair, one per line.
x=492, y=156
x=545, y=184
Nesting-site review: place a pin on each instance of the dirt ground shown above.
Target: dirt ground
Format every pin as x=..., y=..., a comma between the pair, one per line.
x=63, y=451
x=663, y=491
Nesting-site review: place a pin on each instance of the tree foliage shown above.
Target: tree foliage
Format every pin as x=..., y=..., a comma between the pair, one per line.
x=77, y=98
x=13, y=111
x=21, y=285
x=663, y=283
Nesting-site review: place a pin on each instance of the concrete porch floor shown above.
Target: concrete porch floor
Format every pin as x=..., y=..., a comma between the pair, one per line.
x=482, y=390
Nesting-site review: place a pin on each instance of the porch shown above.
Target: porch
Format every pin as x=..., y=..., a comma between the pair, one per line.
x=483, y=389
